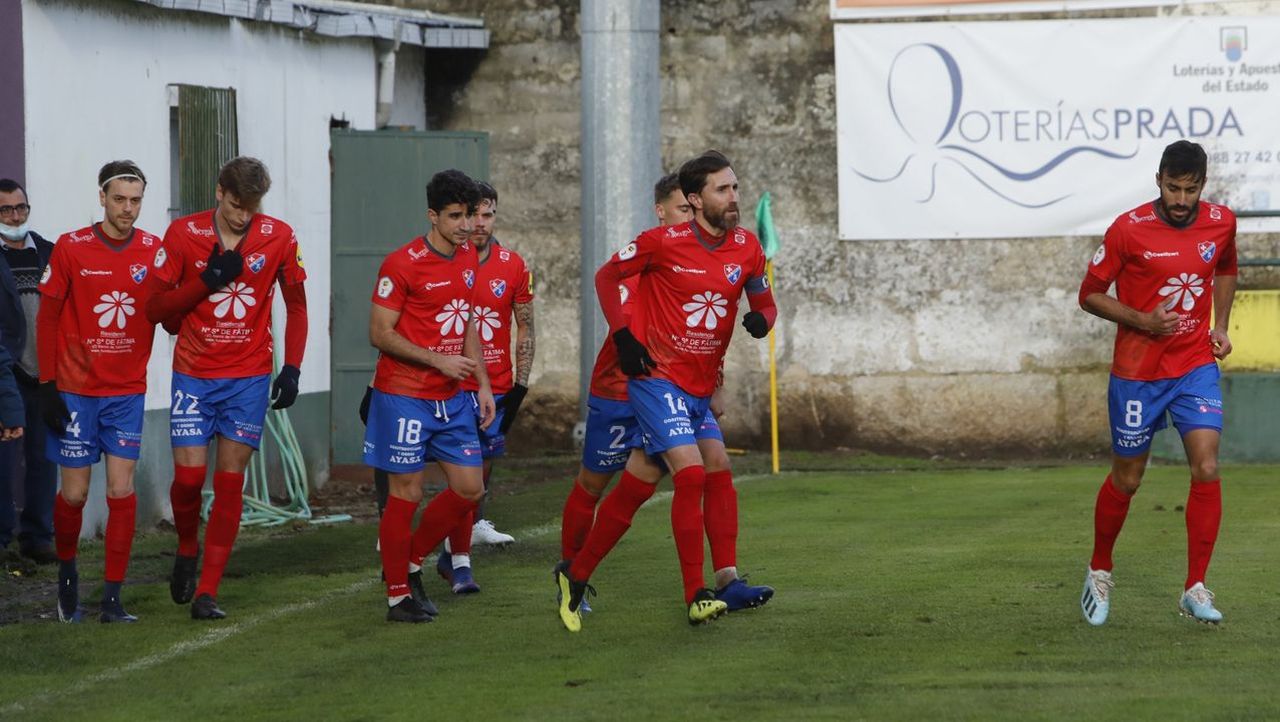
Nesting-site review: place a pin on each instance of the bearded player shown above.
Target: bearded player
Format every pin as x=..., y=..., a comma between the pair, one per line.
x=692, y=277
x=94, y=343
x=1173, y=261
x=218, y=282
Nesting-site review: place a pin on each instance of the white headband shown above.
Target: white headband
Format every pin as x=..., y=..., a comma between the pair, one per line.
x=107, y=182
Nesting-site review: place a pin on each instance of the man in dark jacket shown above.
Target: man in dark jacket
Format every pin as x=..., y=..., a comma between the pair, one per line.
x=24, y=256
x=12, y=416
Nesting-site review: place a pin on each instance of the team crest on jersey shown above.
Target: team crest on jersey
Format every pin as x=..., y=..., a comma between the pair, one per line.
x=256, y=261
x=469, y=277
x=161, y=257
x=1207, y=249
x=733, y=272
x=498, y=286
x=137, y=272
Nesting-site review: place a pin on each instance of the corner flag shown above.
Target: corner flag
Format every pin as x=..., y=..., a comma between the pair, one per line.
x=765, y=231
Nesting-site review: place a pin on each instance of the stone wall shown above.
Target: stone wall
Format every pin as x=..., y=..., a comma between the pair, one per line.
x=959, y=347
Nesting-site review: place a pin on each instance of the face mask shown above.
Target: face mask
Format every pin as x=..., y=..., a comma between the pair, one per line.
x=13, y=233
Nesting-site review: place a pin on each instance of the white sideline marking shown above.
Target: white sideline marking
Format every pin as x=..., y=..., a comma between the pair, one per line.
x=222, y=632
x=208, y=639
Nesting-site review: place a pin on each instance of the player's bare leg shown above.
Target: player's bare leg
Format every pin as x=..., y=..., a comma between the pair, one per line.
x=1203, y=517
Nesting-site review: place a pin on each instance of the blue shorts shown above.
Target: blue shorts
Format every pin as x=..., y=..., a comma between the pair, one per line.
x=1137, y=408
x=493, y=443
x=666, y=415
x=231, y=408
x=98, y=425
x=404, y=432
x=612, y=432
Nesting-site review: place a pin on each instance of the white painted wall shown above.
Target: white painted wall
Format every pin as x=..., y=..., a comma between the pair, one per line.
x=96, y=90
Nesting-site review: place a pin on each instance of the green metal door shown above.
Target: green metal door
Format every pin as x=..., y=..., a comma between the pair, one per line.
x=379, y=203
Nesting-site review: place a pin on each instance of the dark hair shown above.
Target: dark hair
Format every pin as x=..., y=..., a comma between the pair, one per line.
x=1184, y=158
x=693, y=174
x=9, y=185
x=245, y=178
x=452, y=186
x=665, y=185
x=487, y=192
x=119, y=170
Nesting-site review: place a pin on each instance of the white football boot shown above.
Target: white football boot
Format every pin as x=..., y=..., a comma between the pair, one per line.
x=484, y=533
x=1095, y=600
x=1197, y=603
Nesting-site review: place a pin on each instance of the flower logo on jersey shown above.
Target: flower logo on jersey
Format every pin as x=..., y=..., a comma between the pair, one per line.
x=1207, y=249
x=454, y=317
x=487, y=321
x=235, y=298
x=1183, y=290
x=469, y=278
x=116, y=307
x=733, y=272
x=256, y=261
x=706, y=309
x=137, y=272
x=498, y=286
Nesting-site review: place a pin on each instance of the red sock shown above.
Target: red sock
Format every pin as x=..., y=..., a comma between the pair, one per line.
x=1204, y=515
x=394, y=533
x=444, y=513
x=220, y=533
x=122, y=513
x=686, y=526
x=460, y=537
x=616, y=512
x=720, y=515
x=579, y=513
x=185, y=496
x=66, y=528
x=1108, y=517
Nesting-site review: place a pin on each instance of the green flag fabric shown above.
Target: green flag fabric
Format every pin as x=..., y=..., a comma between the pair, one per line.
x=764, y=226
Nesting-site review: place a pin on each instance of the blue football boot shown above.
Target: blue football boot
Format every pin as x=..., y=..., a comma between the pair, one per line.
x=1197, y=603
x=739, y=595
x=463, y=582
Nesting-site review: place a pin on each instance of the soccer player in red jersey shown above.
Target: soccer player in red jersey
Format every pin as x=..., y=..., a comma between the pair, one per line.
x=1173, y=261
x=503, y=290
x=691, y=277
x=422, y=325
x=94, y=343
x=217, y=280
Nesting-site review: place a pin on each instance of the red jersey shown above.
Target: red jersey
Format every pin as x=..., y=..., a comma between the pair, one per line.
x=228, y=334
x=1153, y=263
x=104, y=338
x=434, y=294
x=607, y=379
x=502, y=281
x=687, y=302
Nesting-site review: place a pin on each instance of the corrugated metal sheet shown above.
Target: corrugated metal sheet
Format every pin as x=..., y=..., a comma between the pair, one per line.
x=337, y=18
x=207, y=138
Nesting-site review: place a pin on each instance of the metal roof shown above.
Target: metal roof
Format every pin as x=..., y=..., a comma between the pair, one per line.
x=342, y=19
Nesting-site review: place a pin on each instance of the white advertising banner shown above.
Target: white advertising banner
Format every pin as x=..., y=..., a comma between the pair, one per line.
x=860, y=9
x=1045, y=128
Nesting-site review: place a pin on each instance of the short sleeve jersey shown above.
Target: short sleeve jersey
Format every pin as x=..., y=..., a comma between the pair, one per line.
x=1154, y=263
x=104, y=338
x=607, y=379
x=434, y=294
x=502, y=281
x=228, y=334
x=687, y=302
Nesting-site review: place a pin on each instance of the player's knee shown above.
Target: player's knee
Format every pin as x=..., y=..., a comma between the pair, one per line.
x=74, y=497
x=1127, y=483
x=473, y=495
x=593, y=484
x=1204, y=469
x=716, y=460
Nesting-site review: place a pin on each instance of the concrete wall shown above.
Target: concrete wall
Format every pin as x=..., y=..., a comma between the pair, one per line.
x=962, y=347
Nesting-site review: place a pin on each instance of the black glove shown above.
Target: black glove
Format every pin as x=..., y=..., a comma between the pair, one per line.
x=223, y=268
x=285, y=390
x=364, y=405
x=511, y=405
x=756, y=324
x=53, y=408
x=633, y=357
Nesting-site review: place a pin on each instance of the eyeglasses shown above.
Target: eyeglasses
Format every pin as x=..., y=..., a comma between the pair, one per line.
x=20, y=210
